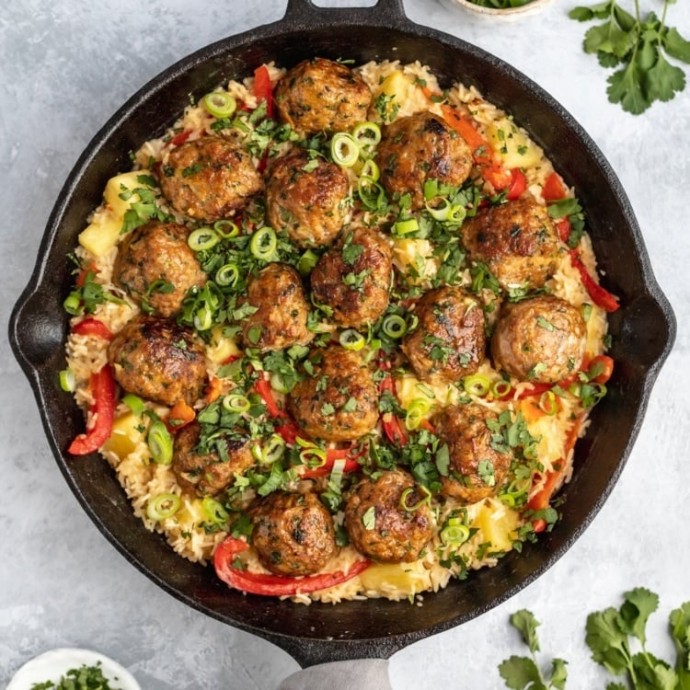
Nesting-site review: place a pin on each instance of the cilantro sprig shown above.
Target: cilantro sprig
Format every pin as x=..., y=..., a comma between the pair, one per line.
x=640, y=48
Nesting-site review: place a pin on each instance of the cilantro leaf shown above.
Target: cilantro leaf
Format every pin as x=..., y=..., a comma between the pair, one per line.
x=525, y=622
x=608, y=644
x=675, y=45
x=521, y=673
x=625, y=87
x=585, y=14
x=663, y=80
x=679, y=627
x=559, y=673
x=639, y=605
x=608, y=38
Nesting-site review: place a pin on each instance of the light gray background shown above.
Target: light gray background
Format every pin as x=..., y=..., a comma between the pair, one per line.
x=65, y=66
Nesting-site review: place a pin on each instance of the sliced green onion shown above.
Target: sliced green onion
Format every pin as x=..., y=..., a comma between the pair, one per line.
x=586, y=311
x=394, y=326
x=278, y=383
x=203, y=318
x=264, y=243
x=163, y=506
x=455, y=532
x=344, y=149
x=351, y=339
x=477, y=384
x=236, y=404
x=415, y=506
x=371, y=193
x=313, y=457
x=367, y=133
x=273, y=450
x=416, y=411
x=215, y=511
x=72, y=304
x=548, y=403
x=507, y=500
x=456, y=214
x=228, y=275
x=370, y=170
x=202, y=239
x=220, y=104
x=500, y=388
x=307, y=262
x=135, y=404
x=160, y=443
x=440, y=212
x=406, y=227
x=68, y=382
x=226, y=228
x=304, y=443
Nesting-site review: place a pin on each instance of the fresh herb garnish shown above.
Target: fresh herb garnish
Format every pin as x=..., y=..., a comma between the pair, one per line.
x=82, y=678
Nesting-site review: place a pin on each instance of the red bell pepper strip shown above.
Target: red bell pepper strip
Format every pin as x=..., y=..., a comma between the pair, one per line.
x=94, y=327
x=289, y=432
x=518, y=184
x=542, y=499
x=603, y=362
x=333, y=454
x=273, y=585
x=180, y=138
x=554, y=189
x=263, y=388
x=102, y=385
x=600, y=296
x=563, y=228
x=263, y=89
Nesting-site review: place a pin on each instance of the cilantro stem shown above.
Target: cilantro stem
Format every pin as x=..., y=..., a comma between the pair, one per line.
x=637, y=11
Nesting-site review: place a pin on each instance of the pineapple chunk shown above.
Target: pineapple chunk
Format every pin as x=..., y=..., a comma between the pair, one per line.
x=396, y=88
x=408, y=578
x=120, y=184
x=190, y=514
x=102, y=234
x=221, y=348
x=410, y=388
x=125, y=436
x=498, y=524
x=513, y=146
x=414, y=258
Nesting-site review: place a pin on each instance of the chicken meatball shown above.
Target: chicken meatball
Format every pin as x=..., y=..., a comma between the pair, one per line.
x=322, y=96
x=159, y=360
x=339, y=402
x=354, y=277
x=208, y=471
x=450, y=340
x=380, y=527
x=293, y=533
x=307, y=198
x=476, y=469
x=280, y=319
x=156, y=267
x=541, y=339
x=518, y=241
x=418, y=148
x=209, y=178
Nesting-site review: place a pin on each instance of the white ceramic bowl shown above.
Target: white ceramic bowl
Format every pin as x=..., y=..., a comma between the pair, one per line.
x=493, y=13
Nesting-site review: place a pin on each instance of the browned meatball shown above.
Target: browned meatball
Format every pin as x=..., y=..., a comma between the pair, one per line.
x=518, y=242
x=293, y=533
x=282, y=310
x=307, y=198
x=156, y=267
x=379, y=526
x=476, y=469
x=209, y=178
x=449, y=341
x=418, y=148
x=205, y=472
x=340, y=401
x=159, y=360
x=541, y=339
x=354, y=277
x=320, y=95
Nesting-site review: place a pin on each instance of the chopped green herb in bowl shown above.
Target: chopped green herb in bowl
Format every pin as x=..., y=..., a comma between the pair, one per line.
x=501, y=9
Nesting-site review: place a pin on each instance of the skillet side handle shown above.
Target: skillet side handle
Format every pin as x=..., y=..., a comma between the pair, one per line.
x=306, y=12
x=363, y=674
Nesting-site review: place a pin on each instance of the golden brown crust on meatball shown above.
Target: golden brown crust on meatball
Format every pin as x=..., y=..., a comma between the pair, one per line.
x=354, y=277
x=450, y=340
x=476, y=470
x=209, y=178
x=340, y=401
x=206, y=474
x=158, y=360
x=322, y=96
x=542, y=339
x=282, y=310
x=293, y=533
x=418, y=148
x=379, y=526
x=158, y=253
x=307, y=198
x=517, y=240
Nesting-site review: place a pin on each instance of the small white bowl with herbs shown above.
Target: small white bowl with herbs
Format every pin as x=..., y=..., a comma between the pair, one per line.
x=500, y=9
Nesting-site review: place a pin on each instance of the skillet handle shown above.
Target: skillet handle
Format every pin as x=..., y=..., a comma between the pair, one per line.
x=306, y=12
x=363, y=674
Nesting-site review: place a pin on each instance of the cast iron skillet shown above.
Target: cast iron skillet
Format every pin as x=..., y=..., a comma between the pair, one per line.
x=643, y=329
